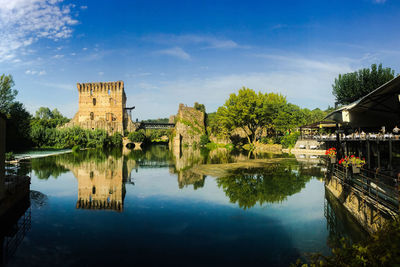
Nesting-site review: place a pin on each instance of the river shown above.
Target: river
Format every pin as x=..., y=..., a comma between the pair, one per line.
x=151, y=208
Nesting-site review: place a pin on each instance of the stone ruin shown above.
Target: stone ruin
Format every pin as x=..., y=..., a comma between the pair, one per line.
x=189, y=127
x=102, y=105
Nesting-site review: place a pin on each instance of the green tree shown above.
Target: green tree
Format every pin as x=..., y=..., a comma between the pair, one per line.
x=244, y=110
x=349, y=87
x=7, y=94
x=44, y=113
x=199, y=107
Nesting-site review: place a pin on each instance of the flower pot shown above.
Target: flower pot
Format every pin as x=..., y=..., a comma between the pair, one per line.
x=333, y=160
x=355, y=169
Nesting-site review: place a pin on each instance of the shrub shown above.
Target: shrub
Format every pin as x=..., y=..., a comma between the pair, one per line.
x=204, y=140
x=10, y=156
x=76, y=148
x=116, y=140
x=289, y=140
x=137, y=136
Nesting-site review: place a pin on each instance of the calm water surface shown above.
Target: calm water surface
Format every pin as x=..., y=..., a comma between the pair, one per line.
x=149, y=208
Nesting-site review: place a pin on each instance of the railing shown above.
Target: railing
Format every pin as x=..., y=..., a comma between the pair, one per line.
x=379, y=187
x=356, y=137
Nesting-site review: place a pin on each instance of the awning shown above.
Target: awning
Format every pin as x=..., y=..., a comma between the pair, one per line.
x=379, y=108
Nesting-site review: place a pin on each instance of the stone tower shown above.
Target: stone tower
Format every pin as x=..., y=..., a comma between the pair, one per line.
x=102, y=105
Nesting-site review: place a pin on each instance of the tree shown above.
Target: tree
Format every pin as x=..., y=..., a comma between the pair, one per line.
x=7, y=94
x=199, y=107
x=349, y=87
x=44, y=113
x=245, y=111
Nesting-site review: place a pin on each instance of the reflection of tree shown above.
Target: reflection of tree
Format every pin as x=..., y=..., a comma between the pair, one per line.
x=263, y=185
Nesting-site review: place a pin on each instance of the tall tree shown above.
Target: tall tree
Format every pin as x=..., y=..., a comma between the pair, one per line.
x=7, y=94
x=349, y=87
x=245, y=111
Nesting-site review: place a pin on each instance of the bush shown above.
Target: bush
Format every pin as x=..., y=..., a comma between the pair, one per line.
x=116, y=140
x=76, y=148
x=137, y=136
x=289, y=140
x=10, y=156
x=204, y=140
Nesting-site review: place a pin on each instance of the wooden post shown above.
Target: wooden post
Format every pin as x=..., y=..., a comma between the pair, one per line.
x=379, y=154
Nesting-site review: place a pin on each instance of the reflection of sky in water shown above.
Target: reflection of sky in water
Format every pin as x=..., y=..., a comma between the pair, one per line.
x=162, y=224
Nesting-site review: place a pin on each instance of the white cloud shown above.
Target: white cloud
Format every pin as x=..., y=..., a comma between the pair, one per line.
x=35, y=72
x=58, y=56
x=379, y=1
x=84, y=7
x=175, y=52
x=23, y=22
x=190, y=39
x=101, y=73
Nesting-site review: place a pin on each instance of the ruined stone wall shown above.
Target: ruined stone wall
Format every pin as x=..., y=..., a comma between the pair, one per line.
x=102, y=106
x=189, y=126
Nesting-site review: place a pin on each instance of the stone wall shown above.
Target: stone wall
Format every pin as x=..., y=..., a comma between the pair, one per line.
x=189, y=127
x=370, y=215
x=102, y=106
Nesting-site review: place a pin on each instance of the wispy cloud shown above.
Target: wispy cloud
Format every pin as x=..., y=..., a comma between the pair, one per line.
x=23, y=22
x=175, y=52
x=208, y=42
x=379, y=1
x=35, y=72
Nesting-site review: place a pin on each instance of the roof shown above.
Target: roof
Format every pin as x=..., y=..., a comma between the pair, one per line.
x=380, y=107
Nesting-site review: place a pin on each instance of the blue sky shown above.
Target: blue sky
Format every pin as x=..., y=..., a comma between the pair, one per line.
x=171, y=52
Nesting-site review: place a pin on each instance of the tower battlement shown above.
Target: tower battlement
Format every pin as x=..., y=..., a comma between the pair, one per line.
x=100, y=86
x=102, y=105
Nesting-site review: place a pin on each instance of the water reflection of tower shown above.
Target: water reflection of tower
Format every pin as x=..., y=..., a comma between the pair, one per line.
x=101, y=184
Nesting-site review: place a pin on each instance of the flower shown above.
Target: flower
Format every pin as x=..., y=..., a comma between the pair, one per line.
x=331, y=152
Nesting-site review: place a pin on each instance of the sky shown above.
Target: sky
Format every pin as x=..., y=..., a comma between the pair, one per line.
x=171, y=52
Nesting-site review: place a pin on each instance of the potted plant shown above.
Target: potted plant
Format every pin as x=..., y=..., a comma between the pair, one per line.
x=356, y=163
x=331, y=153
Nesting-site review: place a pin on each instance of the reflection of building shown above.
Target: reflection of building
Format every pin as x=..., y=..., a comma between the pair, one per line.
x=102, y=105
x=100, y=184
x=183, y=161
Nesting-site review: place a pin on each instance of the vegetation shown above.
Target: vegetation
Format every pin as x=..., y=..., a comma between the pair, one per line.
x=17, y=118
x=259, y=115
x=349, y=87
x=272, y=184
x=380, y=249
x=159, y=120
x=138, y=136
